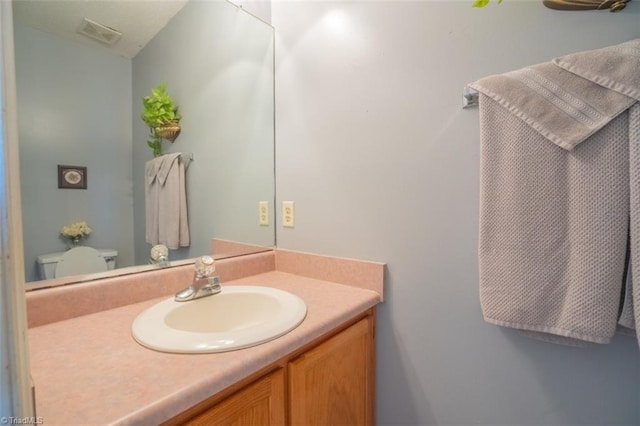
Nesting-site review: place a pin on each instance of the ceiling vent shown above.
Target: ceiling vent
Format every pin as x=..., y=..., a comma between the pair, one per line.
x=99, y=32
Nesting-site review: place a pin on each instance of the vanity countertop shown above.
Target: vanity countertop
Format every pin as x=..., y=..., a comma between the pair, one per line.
x=89, y=370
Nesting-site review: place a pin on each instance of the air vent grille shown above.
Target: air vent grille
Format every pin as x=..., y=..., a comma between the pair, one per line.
x=99, y=32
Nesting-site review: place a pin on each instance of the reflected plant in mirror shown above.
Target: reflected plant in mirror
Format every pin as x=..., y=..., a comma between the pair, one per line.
x=161, y=114
x=79, y=102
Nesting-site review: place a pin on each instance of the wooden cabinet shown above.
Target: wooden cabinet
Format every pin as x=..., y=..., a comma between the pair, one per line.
x=329, y=382
x=260, y=403
x=332, y=384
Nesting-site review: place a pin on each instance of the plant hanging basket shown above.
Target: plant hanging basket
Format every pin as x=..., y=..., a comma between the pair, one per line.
x=169, y=131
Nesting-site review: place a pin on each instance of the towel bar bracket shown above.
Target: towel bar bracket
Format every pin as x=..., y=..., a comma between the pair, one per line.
x=187, y=159
x=470, y=97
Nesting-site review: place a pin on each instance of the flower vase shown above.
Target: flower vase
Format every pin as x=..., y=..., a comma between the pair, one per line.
x=74, y=242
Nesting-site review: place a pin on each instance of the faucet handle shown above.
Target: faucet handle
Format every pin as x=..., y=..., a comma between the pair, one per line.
x=158, y=251
x=160, y=255
x=204, y=266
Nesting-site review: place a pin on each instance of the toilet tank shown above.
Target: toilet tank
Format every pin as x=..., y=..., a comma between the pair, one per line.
x=47, y=262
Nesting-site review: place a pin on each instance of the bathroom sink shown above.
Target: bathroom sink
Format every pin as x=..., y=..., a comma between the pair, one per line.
x=235, y=318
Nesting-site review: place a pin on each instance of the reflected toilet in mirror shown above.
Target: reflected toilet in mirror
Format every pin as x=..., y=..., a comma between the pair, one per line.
x=77, y=261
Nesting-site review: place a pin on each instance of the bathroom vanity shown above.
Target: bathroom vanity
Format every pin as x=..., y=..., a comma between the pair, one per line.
x=336, y=372
x=88, y=369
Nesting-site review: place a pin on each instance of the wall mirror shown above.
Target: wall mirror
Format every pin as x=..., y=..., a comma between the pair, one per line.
x=79, y=103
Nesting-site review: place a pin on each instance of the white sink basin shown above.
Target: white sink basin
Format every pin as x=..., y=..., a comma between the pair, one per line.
x=236, y=318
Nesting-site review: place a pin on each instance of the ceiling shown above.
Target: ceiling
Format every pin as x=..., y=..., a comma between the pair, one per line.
x=138, y=20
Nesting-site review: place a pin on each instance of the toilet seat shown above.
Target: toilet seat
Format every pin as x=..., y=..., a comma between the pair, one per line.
x=79, y=261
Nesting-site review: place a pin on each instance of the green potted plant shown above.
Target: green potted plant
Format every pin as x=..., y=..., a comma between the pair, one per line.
x=483, y=3
x=161, y=115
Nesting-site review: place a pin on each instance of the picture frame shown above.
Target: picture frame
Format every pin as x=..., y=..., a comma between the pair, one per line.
x=72, y=177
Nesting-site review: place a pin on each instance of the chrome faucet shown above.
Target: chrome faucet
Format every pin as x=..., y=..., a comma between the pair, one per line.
x=203, y=283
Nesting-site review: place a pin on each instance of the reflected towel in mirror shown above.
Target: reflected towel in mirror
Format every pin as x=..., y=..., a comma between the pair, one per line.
x=166, y=202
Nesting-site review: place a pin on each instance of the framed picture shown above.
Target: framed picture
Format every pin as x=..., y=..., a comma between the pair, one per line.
x=74, y=177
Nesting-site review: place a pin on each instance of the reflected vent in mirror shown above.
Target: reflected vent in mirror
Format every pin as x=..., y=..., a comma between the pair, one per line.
x=99, y=32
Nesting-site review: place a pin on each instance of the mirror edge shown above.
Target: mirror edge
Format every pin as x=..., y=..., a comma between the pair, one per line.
x=130, y=270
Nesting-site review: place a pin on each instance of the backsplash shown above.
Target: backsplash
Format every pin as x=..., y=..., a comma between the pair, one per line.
x=64, y=302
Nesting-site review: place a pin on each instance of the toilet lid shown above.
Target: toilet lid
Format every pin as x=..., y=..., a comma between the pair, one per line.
x=80, y=260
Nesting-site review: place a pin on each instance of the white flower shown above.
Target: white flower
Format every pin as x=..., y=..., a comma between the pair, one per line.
x=76, y=230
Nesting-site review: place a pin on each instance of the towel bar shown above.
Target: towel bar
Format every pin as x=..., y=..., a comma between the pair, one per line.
x=470, y=97
x=187, y=159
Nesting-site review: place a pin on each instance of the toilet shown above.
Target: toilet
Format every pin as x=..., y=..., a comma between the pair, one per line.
x=77, y=261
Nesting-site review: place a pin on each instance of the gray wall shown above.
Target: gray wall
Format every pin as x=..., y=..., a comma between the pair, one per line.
x=74, y=108
x=218, y=63
x=382, y=162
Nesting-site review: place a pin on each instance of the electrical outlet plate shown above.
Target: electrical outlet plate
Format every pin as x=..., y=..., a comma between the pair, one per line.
x=288, y=214
x=263, y=213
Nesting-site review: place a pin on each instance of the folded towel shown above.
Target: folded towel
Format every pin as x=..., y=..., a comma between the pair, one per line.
x=165, y=168
x=634, y=245
x=166, y=202
x=553, y=228
x=151, y=199
x=555, y=195
x=616, y=67
x=626, y=320
x=562, y=108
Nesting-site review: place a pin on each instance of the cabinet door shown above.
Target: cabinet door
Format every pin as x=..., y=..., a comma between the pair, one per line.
x=260, y=403
x=332, y=384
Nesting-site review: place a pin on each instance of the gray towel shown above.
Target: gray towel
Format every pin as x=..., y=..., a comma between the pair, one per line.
x=151, y=189
x=632, y=302
x=555, y=195
x=616, y=67
x=564, y=109
x=166, y=202
x=627, y=320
